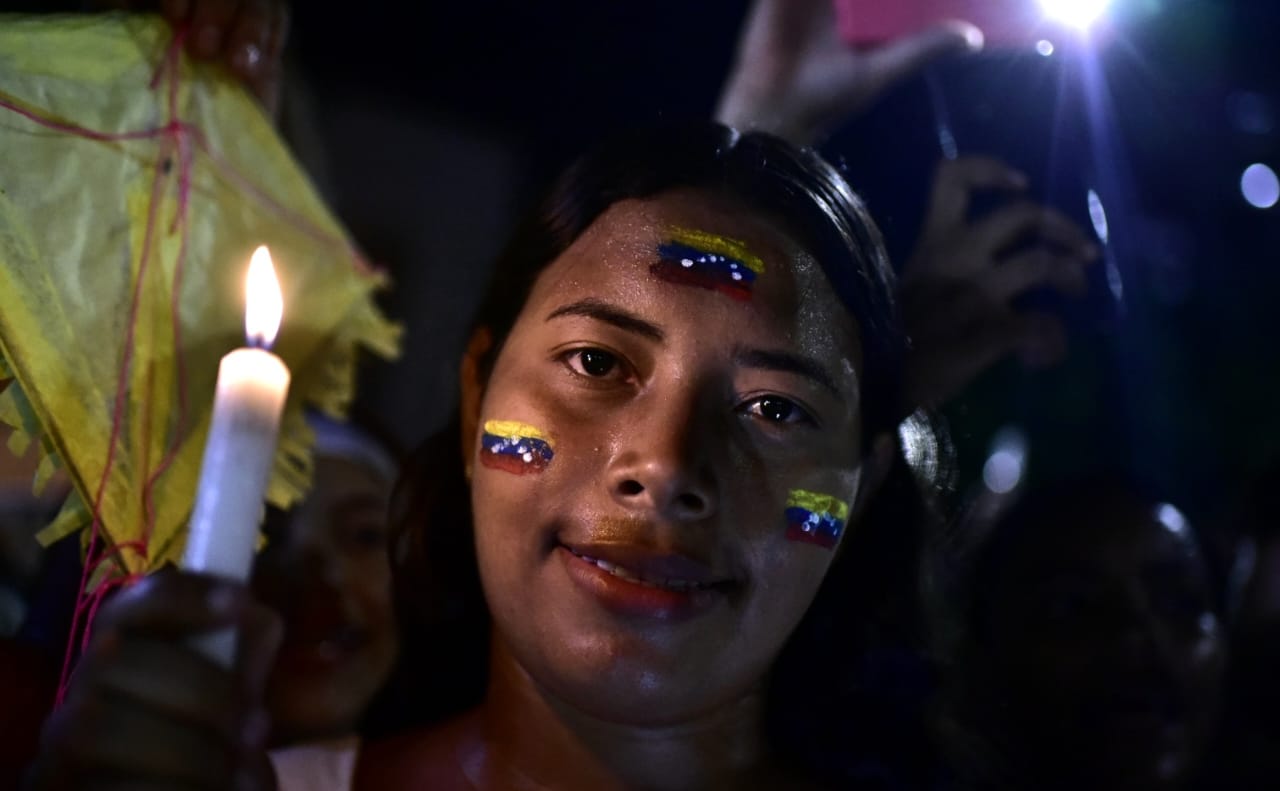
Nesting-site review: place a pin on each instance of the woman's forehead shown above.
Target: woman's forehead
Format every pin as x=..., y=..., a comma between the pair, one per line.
x=635, y=223
x=707, y=249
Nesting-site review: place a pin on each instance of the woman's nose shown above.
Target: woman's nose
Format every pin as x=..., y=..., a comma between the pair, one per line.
x=666, y=466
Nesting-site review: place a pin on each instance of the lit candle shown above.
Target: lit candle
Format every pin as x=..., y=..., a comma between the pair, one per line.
x=241, y=447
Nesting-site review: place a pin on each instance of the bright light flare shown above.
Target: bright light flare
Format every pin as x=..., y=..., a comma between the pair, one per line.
x=1172, y=519
x=1080, y=14
x=1006, y=466
x=264, y=304
x=1098, y=216
x=1260, y=186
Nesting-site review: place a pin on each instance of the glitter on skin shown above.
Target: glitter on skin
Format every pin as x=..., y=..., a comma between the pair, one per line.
x=705, y=260
x=515, y=447
x=814, y=518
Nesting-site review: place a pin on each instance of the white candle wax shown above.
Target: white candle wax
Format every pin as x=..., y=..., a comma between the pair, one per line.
x=238, y=456
x=240, y=449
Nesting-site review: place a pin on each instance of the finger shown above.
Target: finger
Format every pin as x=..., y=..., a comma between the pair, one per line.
x=939, y=369
x=1032, y=269
x=261, y=633
x=173, y=603
x=937, y=306
x=1042, y=340
x=175, y=11
x=281, y=21
x=110, y=737
x=248, y=37
x=268, y=82
x=909, y=54
x=211, y=21
x=786, y=21
x=128, y=784
x=954, y=183
x=258, y=773
x=172, y=680
x=1013, y=224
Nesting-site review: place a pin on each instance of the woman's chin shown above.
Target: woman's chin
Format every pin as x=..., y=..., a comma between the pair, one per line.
x=627, y=678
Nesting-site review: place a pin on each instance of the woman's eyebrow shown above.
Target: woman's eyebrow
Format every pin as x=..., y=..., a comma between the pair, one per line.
x=787, y=362
x=610, y=314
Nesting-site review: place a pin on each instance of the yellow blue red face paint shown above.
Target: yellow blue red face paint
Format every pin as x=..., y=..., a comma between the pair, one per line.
x=515, y=447
x=705, y=260
x=815, y=518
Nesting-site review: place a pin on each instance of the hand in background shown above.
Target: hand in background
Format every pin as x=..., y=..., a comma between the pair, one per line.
x=248, y=36
x=960, y=283
x=145, y=710
x=794, y=76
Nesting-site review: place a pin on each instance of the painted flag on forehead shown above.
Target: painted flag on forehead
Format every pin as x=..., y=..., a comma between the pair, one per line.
x=134, y=186
x=706, y=260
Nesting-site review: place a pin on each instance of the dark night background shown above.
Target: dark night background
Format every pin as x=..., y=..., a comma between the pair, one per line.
x=483, y=100
x=432, y=126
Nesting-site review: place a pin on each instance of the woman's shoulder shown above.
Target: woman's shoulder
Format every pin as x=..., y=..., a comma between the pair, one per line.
x=430, y=757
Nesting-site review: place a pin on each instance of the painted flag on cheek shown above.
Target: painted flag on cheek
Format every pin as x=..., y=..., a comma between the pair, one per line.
x=814, y=518
x=515, y=447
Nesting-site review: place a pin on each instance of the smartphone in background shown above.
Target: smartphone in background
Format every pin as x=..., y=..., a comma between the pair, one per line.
x=1006, y=24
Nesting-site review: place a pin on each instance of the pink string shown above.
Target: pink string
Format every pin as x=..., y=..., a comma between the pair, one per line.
x=177, y=130
x=117, y=420
x=80, y=131
x=179, y=224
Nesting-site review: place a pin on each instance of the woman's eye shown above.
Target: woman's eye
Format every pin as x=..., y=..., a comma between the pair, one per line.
x=776, y=409
x=368, y=536
x=595, y=363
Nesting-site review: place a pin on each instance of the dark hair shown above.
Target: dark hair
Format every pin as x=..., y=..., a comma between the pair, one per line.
x=810, y=200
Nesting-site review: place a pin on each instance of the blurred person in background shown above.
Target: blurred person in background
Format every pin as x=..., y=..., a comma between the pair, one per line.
x=1083, y=644
x=1249, y=752
x=326, y=572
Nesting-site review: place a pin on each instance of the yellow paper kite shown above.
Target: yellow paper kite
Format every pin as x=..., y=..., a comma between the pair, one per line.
x=134, y=186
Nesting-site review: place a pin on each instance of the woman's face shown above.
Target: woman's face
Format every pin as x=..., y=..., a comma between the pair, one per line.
x=327, y=573
x=667, y=451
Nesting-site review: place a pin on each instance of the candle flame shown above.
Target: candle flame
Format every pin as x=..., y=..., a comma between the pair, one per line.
x=263, y=302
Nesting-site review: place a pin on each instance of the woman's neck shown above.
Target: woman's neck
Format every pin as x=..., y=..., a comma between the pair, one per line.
x=533, y=740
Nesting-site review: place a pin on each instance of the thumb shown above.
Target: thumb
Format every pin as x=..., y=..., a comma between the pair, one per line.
x=904, y=56
x=261, y=633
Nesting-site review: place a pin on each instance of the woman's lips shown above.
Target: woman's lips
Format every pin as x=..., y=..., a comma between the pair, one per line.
x=640, y=582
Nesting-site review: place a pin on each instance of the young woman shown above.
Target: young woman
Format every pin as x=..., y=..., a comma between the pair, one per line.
x=680, y=396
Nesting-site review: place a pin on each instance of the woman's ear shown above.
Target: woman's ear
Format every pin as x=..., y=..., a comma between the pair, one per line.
x=472, y=378
x=875, y=470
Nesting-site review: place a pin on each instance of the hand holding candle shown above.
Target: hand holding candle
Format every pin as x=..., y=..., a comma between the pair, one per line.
x=240, y=450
